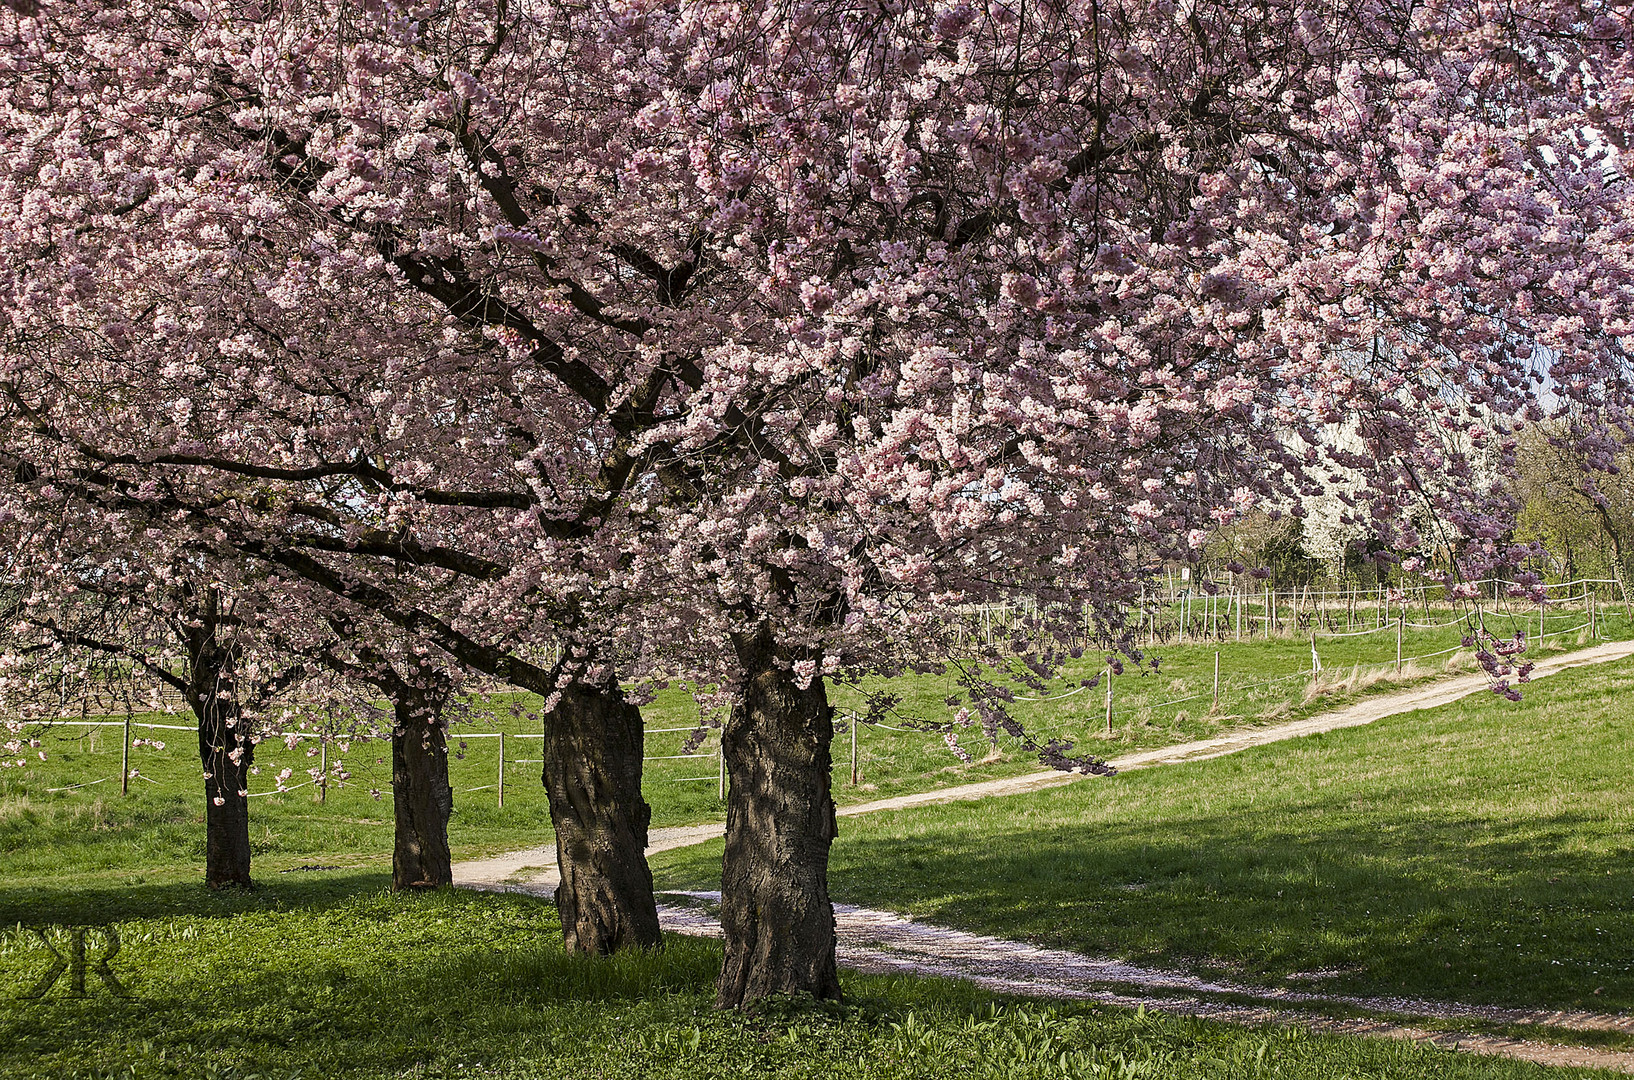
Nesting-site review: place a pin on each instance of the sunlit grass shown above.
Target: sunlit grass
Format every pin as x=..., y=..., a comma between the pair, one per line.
x=47, y=834
x=1476, y=852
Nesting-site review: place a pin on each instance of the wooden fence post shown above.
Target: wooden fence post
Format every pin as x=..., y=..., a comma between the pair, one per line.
x=124, y=758
x=500, y=786
x=853, y=751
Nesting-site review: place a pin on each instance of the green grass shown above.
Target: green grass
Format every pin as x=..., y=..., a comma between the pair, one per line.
x=1263, y=682
x=47, y=836
x=1412, y=856
x=1479, y=852
x=330, y=977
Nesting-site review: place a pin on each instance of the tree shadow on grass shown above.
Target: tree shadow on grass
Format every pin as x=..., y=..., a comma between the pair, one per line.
x=98, y=904
x=1341, y=898
x=458, y=984
x=323, y=982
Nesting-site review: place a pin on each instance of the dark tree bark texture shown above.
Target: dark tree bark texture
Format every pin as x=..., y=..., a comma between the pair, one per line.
x=592, y=775
x=776, y=914
x=225, y=749
x=422, y=799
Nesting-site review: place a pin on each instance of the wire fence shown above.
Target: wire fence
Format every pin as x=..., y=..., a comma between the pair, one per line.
x=1184, y=610
x=1226, y=691
x=1114, y=700
x=323, y=776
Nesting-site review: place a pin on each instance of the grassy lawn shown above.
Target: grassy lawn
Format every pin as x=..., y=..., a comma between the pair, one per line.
x=326, y=976
x=156, y=832
x=1478, y=852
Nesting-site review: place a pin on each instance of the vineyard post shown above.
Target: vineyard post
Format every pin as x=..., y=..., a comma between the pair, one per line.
x=853, y=751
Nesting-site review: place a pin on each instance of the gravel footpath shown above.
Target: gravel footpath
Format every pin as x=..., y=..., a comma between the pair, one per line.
x=884, y=942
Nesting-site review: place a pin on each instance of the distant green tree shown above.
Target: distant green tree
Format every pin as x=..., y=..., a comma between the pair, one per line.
x=1583, y=531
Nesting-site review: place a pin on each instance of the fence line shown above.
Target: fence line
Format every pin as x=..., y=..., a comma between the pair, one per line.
x=76, y=787
x=1176, y=591
x=1221, y=690
x=1182, y=612
x=274, y=791
x=325, y=738
x=1437, y=626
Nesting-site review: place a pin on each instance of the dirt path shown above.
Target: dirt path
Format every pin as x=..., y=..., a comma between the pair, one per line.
x=880, y=941
x=538, y=865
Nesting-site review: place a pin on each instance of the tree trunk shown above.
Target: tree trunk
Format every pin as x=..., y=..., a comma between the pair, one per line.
x=592, y=774
x=227, y=805
x=226, y=753
x=1619, y=569
x=422, y=799
x=775, y=910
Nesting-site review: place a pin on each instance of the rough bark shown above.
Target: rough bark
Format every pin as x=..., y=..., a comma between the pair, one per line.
x=225, y=750
x=775, y=908
x=422, y=799
x=592, y=774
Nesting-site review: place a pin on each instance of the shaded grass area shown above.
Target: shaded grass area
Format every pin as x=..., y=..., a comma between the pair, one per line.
x=332, y=977
x=1478, y=852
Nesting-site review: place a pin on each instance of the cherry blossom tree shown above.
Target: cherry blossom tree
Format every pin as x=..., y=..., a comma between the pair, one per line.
x=417, y=691
x=92, y=634
x=757, y=338
x=99, y=623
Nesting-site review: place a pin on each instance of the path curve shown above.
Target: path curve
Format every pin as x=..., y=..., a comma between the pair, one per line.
x=880, y=941
x=883, y=942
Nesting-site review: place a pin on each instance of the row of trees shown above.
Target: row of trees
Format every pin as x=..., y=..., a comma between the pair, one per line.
x=1578, y=520
x=390, y=343
x=1578, y=516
